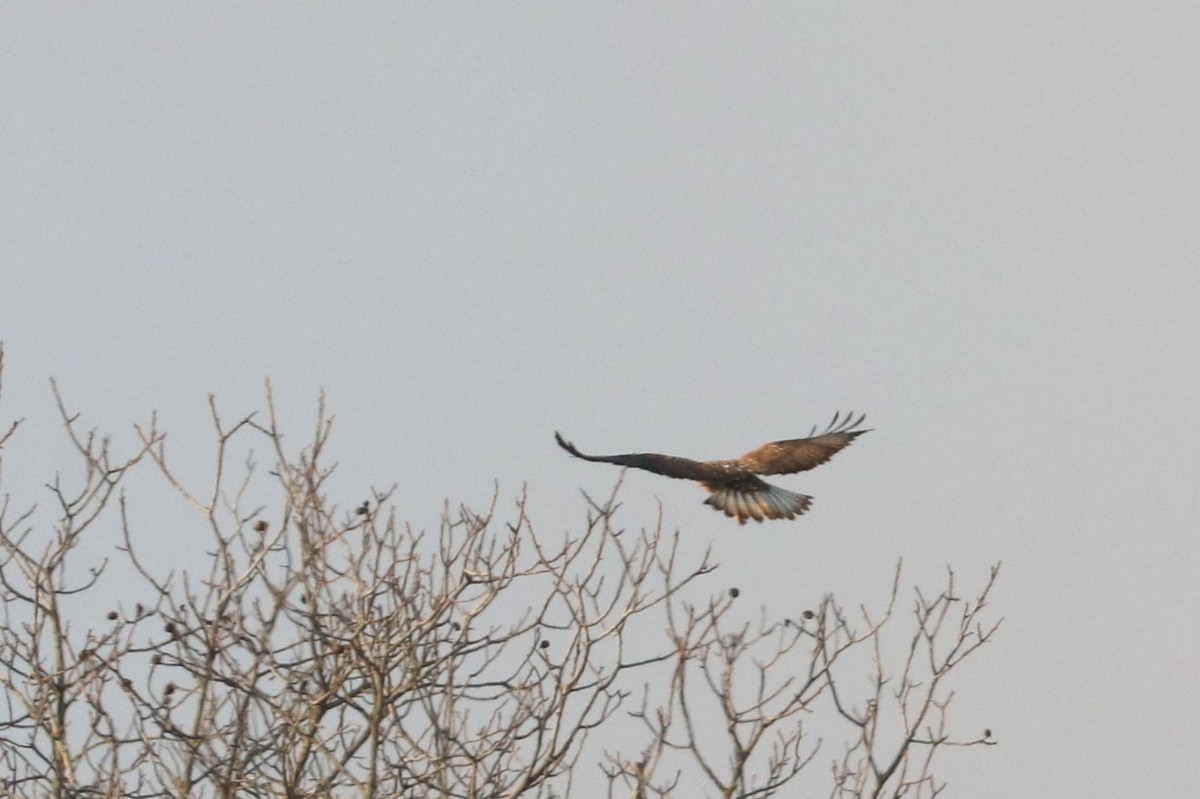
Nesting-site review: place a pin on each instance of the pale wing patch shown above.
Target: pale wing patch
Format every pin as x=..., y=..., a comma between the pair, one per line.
x=801, y=454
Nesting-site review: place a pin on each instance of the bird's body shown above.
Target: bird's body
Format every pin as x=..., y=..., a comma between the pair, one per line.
x=735, y=484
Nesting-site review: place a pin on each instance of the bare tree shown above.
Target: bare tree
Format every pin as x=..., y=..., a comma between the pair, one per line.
x=333, y=651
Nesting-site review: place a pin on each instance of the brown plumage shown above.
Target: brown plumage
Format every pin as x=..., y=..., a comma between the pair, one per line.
x=734, y=484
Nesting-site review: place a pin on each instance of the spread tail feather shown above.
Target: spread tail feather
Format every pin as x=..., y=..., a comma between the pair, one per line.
x=771, y=502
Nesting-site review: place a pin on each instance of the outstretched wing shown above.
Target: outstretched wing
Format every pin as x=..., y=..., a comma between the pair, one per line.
x=666, y=465
x=800, y=454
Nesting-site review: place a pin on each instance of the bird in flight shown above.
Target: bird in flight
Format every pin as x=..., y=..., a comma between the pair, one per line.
x=734, y=484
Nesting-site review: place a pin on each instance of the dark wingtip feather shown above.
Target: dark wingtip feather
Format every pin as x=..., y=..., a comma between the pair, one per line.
x=567, y=445
x=843, y=423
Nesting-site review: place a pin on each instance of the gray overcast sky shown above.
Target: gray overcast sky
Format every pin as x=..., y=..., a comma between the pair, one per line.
x=677, y=228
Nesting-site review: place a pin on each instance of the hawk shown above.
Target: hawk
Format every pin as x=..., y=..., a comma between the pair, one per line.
x=735, y=486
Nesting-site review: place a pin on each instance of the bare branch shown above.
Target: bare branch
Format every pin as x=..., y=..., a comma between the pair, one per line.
x=325, y=648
